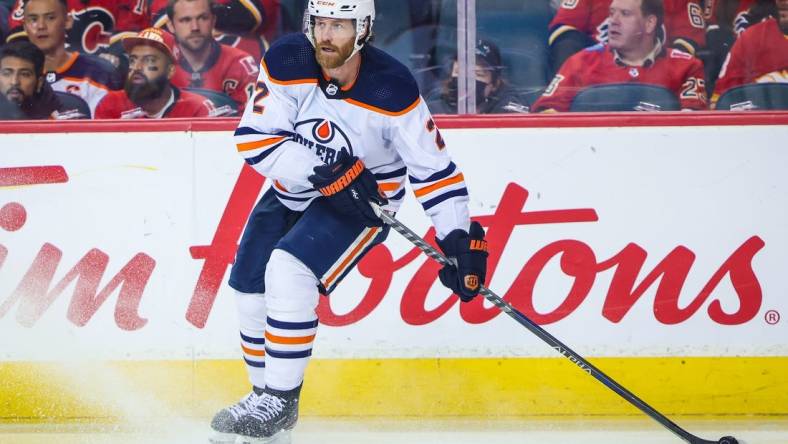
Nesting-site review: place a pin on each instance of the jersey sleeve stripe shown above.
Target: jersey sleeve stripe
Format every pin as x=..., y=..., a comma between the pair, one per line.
x=383, y=111
x=421, y=192
x=289, y=355
x=258, y=18
x=446, y=196
x=247, y=131
x=391, y=174
x=448, y=171
x=398, y=196
x=389, y=186
x=249, y=146
x=291, y=325
x=558, y=31
x=260, y=157
x=254, y=364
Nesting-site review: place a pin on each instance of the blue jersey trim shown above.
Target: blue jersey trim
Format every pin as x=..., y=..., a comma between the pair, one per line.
x=399, y=195
x=384, y=82
x=391, y=174
x=446, y=172
x=435, y=201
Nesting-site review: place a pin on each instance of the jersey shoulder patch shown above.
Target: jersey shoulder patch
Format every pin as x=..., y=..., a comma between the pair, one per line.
x=291, y=58
x=679, y=54
x=384, y=83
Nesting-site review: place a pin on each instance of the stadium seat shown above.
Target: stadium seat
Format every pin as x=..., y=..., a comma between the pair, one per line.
x=224, y=105
x=74, y=104
x=769, y=96
x=518, y=28
x=625, y=97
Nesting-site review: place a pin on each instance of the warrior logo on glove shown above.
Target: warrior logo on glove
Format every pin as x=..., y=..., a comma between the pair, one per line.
x=469, y=251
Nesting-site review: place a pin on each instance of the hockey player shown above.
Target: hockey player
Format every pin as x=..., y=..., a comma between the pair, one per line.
x=582, y=23
x=86, y=76
x=203, y=62
x=634, y=53
x=759, y=55
x=335, y=124
x=148, y=92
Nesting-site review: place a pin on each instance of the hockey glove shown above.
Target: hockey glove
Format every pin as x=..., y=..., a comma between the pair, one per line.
x=350, y=187
x=470, y=252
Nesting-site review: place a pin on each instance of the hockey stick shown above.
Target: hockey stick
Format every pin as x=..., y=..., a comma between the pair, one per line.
x=567, y=352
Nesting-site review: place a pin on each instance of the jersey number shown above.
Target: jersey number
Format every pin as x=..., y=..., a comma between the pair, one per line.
x=693, y=89
x=260, y=93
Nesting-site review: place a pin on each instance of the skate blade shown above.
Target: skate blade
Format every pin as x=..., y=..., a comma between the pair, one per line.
x=223, y=438
x=282, y=437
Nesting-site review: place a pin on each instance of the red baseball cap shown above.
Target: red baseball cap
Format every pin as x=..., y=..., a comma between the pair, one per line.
x=155, y=37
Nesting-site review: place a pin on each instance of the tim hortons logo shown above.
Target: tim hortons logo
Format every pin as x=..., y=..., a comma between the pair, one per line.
x=35, y=292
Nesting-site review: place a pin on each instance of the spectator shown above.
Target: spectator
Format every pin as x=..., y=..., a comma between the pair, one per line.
x=97, y=25
x=582, y=23
x=22, y=83
x=759, y=55
x=3, y=21
x=90, y=78
x=148, y=92
x=202, y=61
x=634, y=53
x=244, y=24
x=494, y=94
x=8, y=110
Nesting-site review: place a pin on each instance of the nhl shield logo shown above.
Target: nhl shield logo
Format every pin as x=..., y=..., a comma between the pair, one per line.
x=634, y=72
x=332, y=89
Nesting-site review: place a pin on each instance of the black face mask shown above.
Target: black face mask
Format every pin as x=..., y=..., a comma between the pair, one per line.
x=451, y=93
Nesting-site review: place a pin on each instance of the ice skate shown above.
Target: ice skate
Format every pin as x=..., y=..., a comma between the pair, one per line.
x=225, y=423
x=272, y=418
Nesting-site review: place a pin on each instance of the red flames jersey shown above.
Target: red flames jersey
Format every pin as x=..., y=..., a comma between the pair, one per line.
x=117, y=105
x=228, y=70
x=97, y=23
x=244, y=24
x=683, y=21
x=675, y=70
x=760, y=54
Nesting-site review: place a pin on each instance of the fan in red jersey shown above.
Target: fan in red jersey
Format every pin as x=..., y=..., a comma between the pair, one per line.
x=244, y=24
x=202, y=61
x=582, y=23
x=97, y=24
x=148, y=92
x=634, y=53
x=759, y=55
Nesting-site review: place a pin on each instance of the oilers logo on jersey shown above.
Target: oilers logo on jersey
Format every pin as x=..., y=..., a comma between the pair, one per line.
x=327, y=138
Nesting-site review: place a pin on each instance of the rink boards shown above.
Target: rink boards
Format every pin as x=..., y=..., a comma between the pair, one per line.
x=657, y=248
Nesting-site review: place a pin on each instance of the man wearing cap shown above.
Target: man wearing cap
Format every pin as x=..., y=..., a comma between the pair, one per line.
x=148, y=92
x=494, y=95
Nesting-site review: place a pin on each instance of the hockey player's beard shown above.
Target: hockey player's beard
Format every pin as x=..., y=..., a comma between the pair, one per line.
x=335, y=59
x=143, y=93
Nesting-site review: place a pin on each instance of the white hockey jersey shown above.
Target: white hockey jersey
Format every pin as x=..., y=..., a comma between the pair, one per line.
x=299, y=119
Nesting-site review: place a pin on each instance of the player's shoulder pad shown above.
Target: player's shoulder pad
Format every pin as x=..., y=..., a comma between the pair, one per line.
x=385, y=83
x=290, y=58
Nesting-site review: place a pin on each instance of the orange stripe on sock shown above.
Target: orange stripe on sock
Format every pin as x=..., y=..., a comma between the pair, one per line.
x=289, y=340
x=438, y=185
x=252, y=352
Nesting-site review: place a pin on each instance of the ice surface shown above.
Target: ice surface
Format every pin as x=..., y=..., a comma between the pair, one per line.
x=411, y=431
